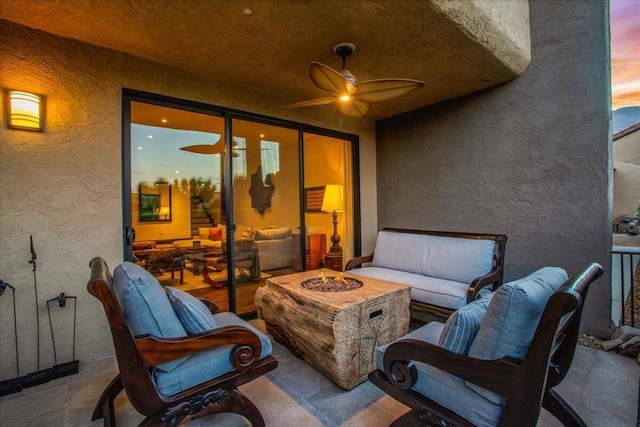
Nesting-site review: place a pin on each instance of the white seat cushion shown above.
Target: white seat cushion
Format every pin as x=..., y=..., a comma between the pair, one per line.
x=429, y=290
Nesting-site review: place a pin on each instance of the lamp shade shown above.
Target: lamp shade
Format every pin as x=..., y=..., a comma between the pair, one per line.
x=164, y=211
x=24, y=110
x=332, y=201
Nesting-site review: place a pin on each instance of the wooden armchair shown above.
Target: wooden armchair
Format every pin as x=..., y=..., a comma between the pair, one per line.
x=138, y=355
x=521, y=385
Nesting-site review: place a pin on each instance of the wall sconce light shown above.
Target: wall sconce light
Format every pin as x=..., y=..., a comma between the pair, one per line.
x=332, y=202
x=25, y=111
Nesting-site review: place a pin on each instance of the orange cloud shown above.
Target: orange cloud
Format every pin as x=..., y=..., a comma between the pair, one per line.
x=625, y=54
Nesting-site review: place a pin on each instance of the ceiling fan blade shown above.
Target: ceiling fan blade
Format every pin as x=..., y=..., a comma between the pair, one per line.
x=207, y=149
x=353, y=108
x=313, y=102
x=328, y=79
x=380, y=90
x=204, y=149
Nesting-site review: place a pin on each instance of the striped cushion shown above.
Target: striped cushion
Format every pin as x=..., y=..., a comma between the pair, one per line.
x=462, y=326
x=194, y=315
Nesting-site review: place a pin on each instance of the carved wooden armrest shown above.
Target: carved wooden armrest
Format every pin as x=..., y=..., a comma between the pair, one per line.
x=212, y=306
x=244, y=355
x=356, y=262
x=483, y=281
x=495, y=375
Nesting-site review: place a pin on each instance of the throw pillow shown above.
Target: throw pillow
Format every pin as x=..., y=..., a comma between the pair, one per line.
x=512, y=318
x=247, y=234
x=215, y=234
x=194, y=315
x=462, y=326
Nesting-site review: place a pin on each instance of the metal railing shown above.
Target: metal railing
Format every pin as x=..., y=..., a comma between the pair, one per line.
x=624, y=263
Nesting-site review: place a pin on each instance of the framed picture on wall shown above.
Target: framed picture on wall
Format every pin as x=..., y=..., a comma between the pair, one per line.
x=149, y=207
x=313, y=197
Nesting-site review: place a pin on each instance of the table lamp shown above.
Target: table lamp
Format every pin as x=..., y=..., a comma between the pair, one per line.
x=332, y=202
x=164, y=212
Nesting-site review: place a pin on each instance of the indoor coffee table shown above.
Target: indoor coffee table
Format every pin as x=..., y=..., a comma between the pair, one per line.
x=336, y=332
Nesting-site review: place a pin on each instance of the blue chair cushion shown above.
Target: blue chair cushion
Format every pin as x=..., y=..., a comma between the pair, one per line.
x=193, y=314
x=145, y=306
x=208, y=364
x=444, y=388
x=462, y=326
x=512, y=318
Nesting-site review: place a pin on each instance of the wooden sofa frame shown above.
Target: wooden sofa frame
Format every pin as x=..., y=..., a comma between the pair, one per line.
x=137, y=354
x=494, y=277
x=527, y=384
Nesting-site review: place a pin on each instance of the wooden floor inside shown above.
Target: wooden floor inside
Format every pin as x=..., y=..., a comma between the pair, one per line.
x=245, y=289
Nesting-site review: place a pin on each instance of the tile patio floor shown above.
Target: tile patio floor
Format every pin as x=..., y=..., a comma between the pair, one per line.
x=602, y=387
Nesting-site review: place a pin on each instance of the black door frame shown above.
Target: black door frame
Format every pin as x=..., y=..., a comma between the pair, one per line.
x=131, y=95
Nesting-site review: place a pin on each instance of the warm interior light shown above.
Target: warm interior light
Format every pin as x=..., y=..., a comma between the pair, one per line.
x=332, y=202
x=164, y=212
x=345, y=98
x=24, y=110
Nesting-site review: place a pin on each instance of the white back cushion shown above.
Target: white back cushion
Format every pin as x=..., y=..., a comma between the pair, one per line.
x=450, y=258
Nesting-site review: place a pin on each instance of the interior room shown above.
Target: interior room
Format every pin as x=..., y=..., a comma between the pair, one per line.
x=203, y=148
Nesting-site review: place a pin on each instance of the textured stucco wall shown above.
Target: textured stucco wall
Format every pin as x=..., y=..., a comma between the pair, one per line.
x=63, y=186
x=530, y=159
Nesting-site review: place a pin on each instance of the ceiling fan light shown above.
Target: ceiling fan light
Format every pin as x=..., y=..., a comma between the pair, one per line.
x=345, y=98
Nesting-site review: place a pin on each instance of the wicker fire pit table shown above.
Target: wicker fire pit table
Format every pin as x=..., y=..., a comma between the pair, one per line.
x=334, y=325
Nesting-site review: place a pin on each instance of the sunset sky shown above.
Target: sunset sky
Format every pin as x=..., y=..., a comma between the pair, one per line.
x=625, y=53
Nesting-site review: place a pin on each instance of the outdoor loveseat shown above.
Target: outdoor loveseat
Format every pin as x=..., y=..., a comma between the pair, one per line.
x=446, y=270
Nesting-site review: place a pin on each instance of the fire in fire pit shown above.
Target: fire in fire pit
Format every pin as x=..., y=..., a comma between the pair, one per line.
x=337, y=283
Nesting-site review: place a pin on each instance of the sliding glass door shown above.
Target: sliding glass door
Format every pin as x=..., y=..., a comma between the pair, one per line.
x=176, y=184
x=265, y=176
x=216, y=202
x=329, y=199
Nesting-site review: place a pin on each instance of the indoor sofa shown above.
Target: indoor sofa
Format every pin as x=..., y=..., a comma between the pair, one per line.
x=273, y=243
x=446, y=270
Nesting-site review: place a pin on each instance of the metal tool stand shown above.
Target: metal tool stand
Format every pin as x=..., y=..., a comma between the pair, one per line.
x=68, y=368
x=40, y=376
x=16, y=384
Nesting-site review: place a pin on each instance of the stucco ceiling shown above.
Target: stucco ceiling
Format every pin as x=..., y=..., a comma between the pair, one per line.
x=455, y=46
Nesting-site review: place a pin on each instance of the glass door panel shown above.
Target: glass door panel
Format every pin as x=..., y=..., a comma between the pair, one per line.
x=328, y=202
x=176, y=198
x=266, y=205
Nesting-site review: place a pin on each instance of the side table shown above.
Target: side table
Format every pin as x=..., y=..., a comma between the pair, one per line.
x=333, y=262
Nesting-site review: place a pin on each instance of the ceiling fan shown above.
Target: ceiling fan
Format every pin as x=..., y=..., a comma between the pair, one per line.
x=216, y=149
x=352, y=98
